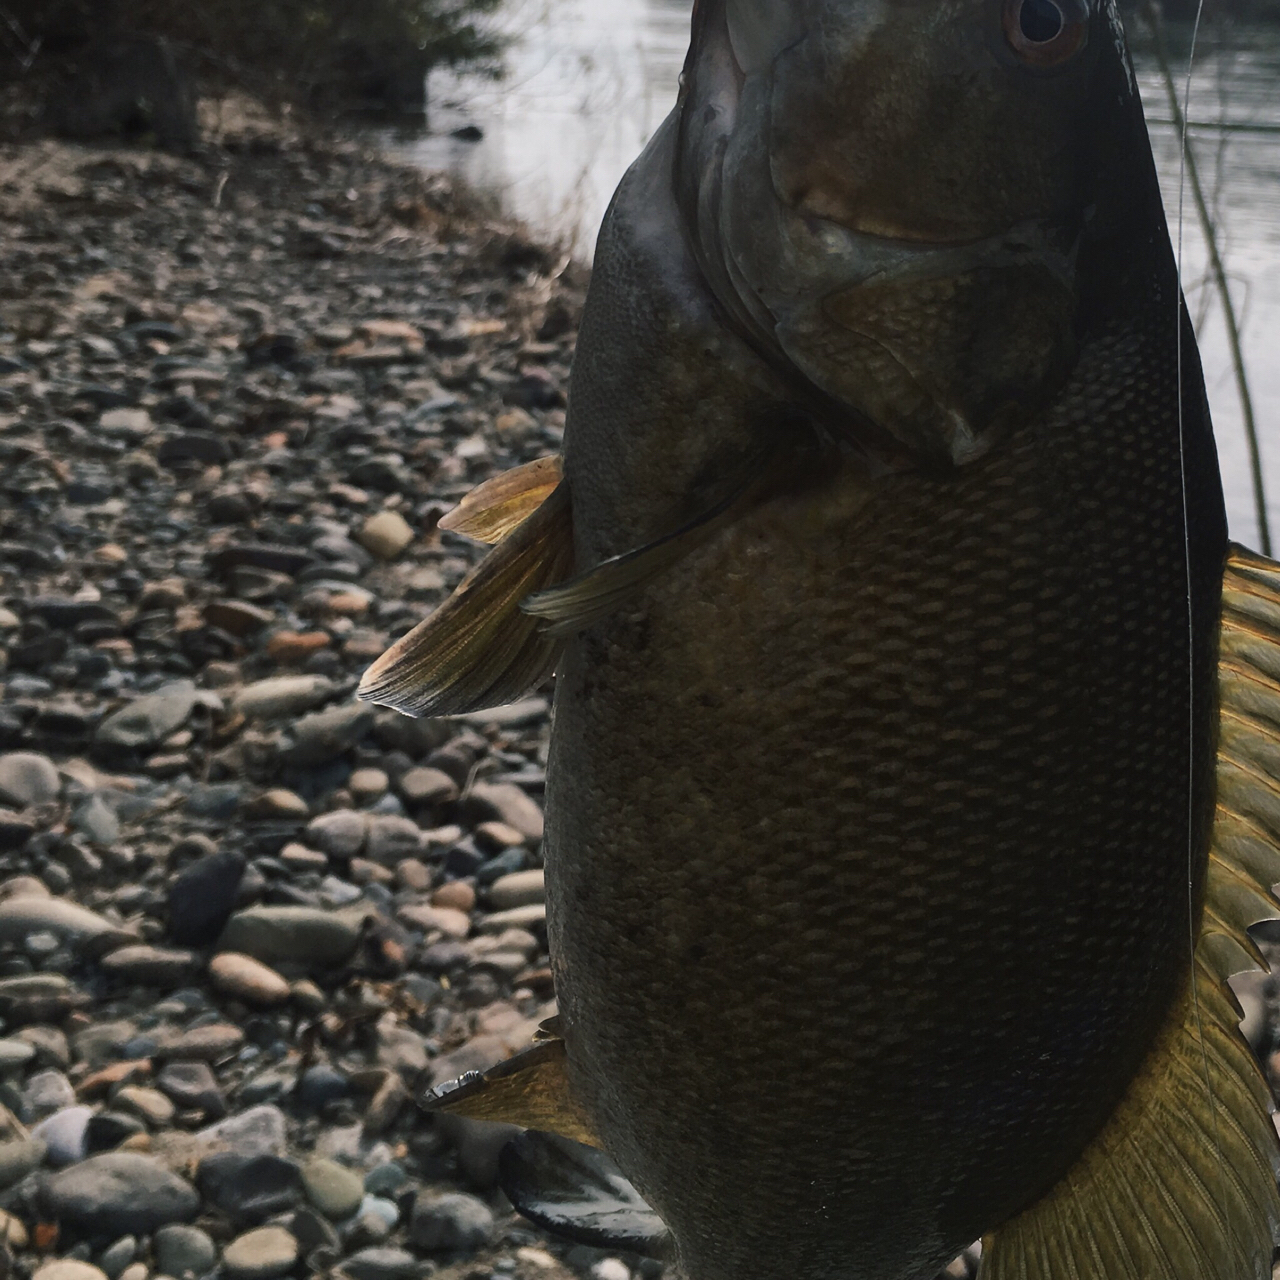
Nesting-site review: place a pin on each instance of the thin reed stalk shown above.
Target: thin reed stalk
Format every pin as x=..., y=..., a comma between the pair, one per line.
x=1217, y=270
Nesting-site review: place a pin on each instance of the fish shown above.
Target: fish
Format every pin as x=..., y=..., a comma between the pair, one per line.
x=915, y=761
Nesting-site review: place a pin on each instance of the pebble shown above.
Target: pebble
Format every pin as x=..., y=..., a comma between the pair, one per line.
x=258, y=1131
x=247, y=979
x=386, y=534
x=340, y=834
x=249, y=1188
x=226, y=884
x=203, y=896
x=456, y=1223
x=148, y=1104
x=19, y=1158
x=304, y=935
x=64, y=1135
x=180, y=1250
x=27, y=778
x=118, y=1193
x=68, y=1269
x=150, y=966
x=260, y=1254
x=519, y=889
x=281, y=697
x=118, y=1255
x=507, y=803
x=335, y=1191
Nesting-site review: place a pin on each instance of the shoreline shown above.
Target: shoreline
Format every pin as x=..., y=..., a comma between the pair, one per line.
x=242, y=917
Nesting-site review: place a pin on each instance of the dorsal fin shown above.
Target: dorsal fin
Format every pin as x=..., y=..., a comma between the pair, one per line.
x=478, y=650
x=531, y=1090
x=501, y=505
x=1181, y=1182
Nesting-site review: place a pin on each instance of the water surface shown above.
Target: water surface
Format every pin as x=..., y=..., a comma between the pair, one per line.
x=591, y=80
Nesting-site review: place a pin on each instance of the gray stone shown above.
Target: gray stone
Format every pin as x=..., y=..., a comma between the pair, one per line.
x=340, y=834
x=392, y=838
x=119, y=1192
x=96, y=820
x=68, y=1269
x=65, y=1135
x=69, y=922
x=423, y=785
x=192, y=1086
x=148, y=720
x=520, y=889
x=47, y=1092
x=150, y=966
x=18, y=1158
x=115, y=1257
x=381, y=1262
x=505, y=802
x=180, y=1249
x=282, y=697
x=302, y=935
x=249, y=1189
x=450, y=1224
x=334, y=1190
x=203, y=896
x=258, y=1131
x=260, y=1254
x=148, y=1104
x=27, y=778
x=325, y=735
x=14, y=1054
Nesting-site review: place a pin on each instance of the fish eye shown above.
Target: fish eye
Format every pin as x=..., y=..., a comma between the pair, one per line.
x=1046, y=33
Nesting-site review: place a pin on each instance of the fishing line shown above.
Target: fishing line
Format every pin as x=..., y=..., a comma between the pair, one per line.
x=1225, y=1201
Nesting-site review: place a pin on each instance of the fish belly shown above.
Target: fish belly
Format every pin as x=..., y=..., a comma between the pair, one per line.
x=868, y=849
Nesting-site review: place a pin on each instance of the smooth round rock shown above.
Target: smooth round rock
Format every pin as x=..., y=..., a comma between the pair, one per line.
x=28, y=778
x=203, y=896
x=117, y=1193
x=180, y=1249
x=18, y=1158
x=118, y=1255
x=336, y=1191
x=64, y=1134
x=68, y=1269
x=456, y=1223
x=15, y=1053
x=260, y=1254
x=247, y=979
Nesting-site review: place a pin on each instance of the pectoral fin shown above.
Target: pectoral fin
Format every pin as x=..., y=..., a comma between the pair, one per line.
x=478, y=650
x=575, y=605
x=1181, y=1182
x=579, y=1192
x=531, y=1090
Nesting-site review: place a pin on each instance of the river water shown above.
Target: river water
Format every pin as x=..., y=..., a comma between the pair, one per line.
x=590, y=81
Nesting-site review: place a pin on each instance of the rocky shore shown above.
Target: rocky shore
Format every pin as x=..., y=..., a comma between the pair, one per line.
x=242, y=916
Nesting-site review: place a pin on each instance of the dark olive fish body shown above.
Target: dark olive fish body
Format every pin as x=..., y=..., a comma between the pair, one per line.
x=915, y=765
x=868, y=845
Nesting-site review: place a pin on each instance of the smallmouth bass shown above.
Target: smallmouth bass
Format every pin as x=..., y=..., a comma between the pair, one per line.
x=914, y=759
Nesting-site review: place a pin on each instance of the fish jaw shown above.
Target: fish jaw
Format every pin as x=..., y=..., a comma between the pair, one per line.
x=886, y=202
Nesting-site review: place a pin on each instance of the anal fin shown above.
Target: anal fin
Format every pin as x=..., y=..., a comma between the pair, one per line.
x=1181, y=1182
x=531, y=1090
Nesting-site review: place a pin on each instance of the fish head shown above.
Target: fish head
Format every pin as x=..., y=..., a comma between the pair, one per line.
x=892, y=198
